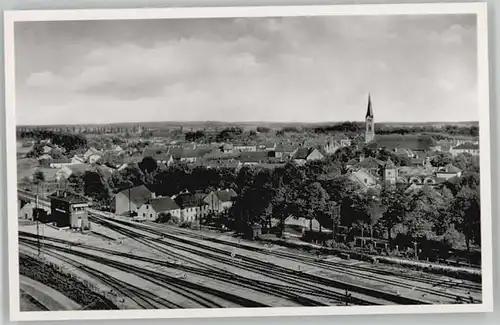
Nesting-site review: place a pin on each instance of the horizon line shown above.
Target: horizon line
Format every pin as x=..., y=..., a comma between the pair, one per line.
x=244, y=122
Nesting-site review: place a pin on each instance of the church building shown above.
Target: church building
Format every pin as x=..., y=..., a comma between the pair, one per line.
x=369, y=123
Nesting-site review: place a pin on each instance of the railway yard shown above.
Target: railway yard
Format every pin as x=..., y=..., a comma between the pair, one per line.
x=157, y=266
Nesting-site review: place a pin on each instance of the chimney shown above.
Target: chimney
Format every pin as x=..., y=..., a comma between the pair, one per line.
x=153, y=195
x=65, y=194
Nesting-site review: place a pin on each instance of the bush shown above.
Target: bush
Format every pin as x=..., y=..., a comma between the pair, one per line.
x=164, y=218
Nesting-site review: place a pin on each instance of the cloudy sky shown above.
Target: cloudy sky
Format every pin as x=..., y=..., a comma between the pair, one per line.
x=309, y=69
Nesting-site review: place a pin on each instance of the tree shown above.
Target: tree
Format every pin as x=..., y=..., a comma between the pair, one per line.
x=38, y=177
x=164, y=217
x=313, y=202
x=395, y=210
x=96, y=188
x=148, y=165
x=466, y=211
x=77, y=182
x=36, y=151
x=423, y=212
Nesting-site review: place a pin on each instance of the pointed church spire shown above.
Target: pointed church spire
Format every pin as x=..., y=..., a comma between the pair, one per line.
x=369, y=111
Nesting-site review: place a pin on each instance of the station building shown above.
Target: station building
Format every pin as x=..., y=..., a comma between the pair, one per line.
x=69, y=210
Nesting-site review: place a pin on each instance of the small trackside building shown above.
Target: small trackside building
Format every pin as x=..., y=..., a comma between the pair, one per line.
x=69, y=210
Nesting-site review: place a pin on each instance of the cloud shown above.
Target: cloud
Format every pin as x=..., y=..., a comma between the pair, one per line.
x=303, y=69
x=45, y=79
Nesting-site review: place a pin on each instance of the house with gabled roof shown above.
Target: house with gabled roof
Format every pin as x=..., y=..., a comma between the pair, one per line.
x=254, y=158
x=303, y=154
x=90, y=152
x=131, y=199
x=364, y=178
x=220, y=200
x=192, y=206
x=66, y=171
x=284, y=150
x=155, y=206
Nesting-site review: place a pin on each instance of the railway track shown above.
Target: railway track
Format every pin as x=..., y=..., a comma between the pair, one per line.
x=152, y=276
x=141, y=297
x=422, y=278
x=252, y=264
x=207, y=270
x=352, y=270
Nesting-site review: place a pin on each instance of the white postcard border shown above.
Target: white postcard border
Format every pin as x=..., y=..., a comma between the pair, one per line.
x=10, y=17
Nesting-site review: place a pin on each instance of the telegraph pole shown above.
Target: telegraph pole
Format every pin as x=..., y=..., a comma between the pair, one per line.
x=129, y=203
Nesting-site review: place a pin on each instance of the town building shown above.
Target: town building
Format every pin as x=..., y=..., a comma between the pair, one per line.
x=220, y=200
x=284, y=150
x=59, y=163
x=302, y=155
x=448, y=171
x=244, y=148
x=155, y=206
x=193, y=208
x=26, y=209
x=390, y=172
x=295, y=226
x=364, y=178
x=91, y=151
x=66, y=171
x=77, y=160
x=466, y=147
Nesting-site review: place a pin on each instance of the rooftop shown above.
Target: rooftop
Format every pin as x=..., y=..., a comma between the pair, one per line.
x=162, y=204
x=69, y=197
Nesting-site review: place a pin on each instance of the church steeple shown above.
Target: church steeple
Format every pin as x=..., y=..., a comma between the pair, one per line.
x=369, y=110
x=370, y=126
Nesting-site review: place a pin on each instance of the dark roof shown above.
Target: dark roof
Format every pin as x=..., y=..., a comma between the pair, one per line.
x=369, y=110
x=389, y=164
x=226, y=195
x=301, y=153
x=60, y=161
x=139, y=194
x=154, y=151
x=353, y=161
x=188, y=200
x=370, y=162
x=69, y=197
x=195, y=153
x=162, y=204
x=467, y=145
x=285, y=147
x=255, y=154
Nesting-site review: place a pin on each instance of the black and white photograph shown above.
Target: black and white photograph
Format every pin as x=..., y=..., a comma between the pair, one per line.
x=210, y=162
